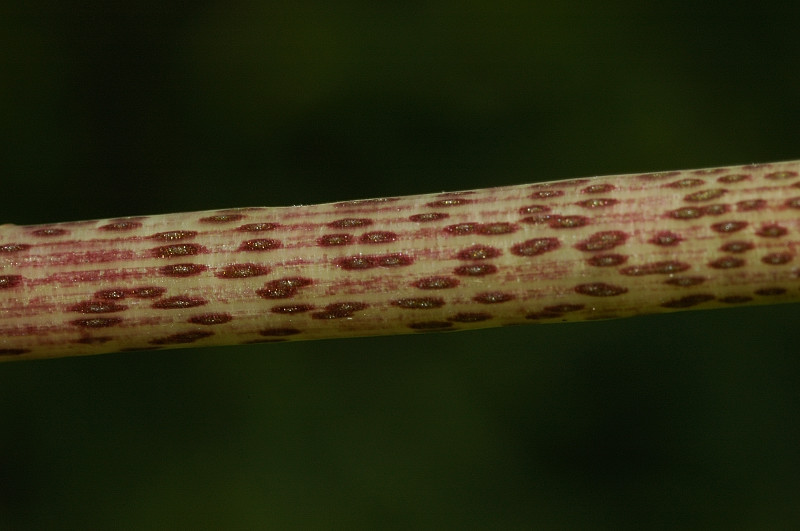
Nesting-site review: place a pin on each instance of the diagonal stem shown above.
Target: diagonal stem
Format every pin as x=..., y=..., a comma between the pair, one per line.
x=596, y=248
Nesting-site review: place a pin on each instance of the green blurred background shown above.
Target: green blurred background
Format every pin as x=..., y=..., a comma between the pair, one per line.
x=668, y=422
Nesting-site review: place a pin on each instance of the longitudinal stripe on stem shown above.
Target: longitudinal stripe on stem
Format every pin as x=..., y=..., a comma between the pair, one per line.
x=581, y=249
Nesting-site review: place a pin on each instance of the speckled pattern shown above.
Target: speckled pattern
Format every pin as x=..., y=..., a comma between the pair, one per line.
x=573, y=250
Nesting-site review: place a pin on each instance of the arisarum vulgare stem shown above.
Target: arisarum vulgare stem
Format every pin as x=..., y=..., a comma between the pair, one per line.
x=582, y=249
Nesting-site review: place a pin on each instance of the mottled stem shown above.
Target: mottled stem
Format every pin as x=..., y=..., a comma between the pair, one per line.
x=573, y=250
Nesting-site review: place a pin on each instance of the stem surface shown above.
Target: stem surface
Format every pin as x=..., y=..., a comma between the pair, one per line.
x=581, y=249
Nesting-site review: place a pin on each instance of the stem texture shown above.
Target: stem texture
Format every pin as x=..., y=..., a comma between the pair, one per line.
x=596, y=248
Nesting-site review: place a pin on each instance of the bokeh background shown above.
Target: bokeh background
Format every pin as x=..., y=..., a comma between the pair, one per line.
x=683, y=421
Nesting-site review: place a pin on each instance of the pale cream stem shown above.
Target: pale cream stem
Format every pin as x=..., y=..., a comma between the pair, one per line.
x=581, y=249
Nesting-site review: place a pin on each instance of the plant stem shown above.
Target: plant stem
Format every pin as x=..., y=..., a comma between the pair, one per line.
x=573, y=250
